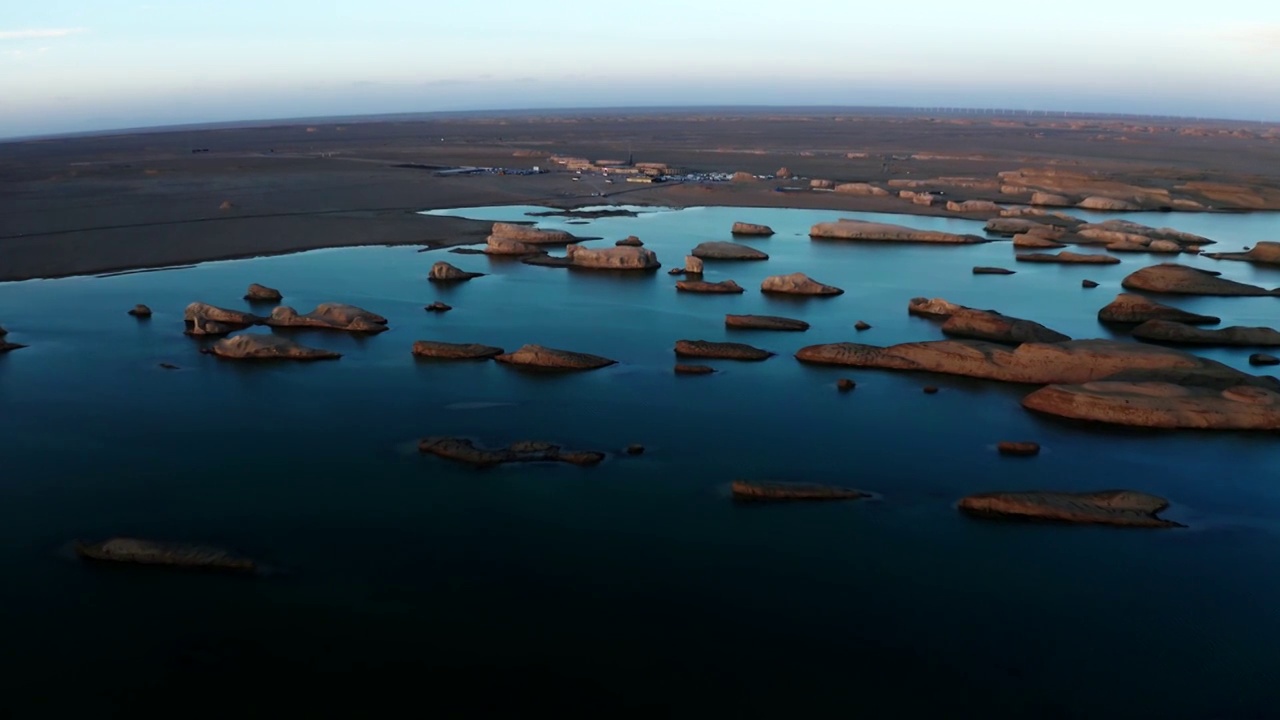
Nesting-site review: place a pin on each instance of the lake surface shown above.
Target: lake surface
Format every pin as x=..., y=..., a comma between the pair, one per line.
x=637, y=584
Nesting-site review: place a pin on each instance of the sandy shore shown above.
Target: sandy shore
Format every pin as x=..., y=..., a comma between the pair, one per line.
x=101, y=204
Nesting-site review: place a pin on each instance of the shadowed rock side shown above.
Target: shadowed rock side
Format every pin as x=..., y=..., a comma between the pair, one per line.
x=985, y=325
x=1129, y=308
x=266, y=347
x=743, y=228
x=465, y=451
x=1174, y=279
x=330, y=316
x=8, y=346
x=262, y=293
x=496, y=245
x=702, y=286
x=139, y=311
x=776, y=492
x=797, y=284
x=1125, y=508
x=528, y=235
x=1263, y=253
x=765, y=322
x=727, y=251
x=720, y=350
x=199, y=327
x=1069, y=258
x=885, y=232
x=172, y=555
x=537, y=356
x=437, y=307
x=444, y=272
x=687, y=369
x=3, y=332
x=203, y=311
x=1073, y=361
x=1161, y=405
x=455, y=351
x=614, y=258
x=1263, y=359
x=1183, y=334
x=985, y=270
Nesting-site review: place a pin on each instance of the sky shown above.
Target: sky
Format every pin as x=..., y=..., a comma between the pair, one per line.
x=80, y=65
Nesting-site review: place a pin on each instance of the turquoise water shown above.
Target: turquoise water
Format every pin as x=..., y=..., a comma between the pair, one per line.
x=638, y=583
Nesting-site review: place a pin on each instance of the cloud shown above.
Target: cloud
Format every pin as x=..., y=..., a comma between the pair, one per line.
x=38, y=33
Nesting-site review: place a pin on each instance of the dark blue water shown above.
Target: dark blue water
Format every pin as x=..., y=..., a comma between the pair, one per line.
x=637, y=584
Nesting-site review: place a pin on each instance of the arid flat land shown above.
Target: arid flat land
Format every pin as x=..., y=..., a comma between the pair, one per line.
x=103, y=203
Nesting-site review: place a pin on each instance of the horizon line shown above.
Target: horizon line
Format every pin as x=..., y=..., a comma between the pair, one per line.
x=571, y=110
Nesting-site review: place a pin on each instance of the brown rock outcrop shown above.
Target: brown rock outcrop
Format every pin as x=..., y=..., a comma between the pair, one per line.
x=1070, y=362
x=765, y=322
x=685, y=369
x=884, y=232
x=262, y=293
x=797, y=284
x=505, y=246
x=465, y=451
x=1018, y=448
x=614, y=258
x=727, y=251
x=529, y=235
x=1109, y=507
x=1068, y=258
x=774, y=492
x=1096, y=202
x=147, y=552
x=330, y=316
x=138, y=311
x=861, y=325
x=1263, y=253
x=783, y=173
x=1129, y=308
x=743, y=176
x=454, y=351
x=1174, y=279
x=217, y=314
x=199, y=327
x=437, y=306
x=720, y=350
x=1031, y=240
x=266, y=347
x=1126, y=231
x=630, y=241
x=1010, y=227
x=984, y=270
x=1050, y=199
x=973, y=206
x=1263, y=359
x=992, y=326
x=822, y=184
x=743, y=228
x=692, y=265
x=859, y=188
x=444, y=272
x=537, y=356
x=701, y=286
x=933, y=308
x=1179, y=333
x=1161, y=405
x=1088, y=284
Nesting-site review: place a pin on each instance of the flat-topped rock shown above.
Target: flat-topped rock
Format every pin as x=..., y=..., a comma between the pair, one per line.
x=133, y=551
x=720, y=350
x=465, y=451
x=262, y=293
x=506, y=246
x=537, y=356
x=777, y=491
x=1264, y=253
x=693, y=265
x=266, y=347
x=138, y=311
x=985, y=270
x=1050, y=200
x=744, y=228
x=529, y=235
x=1174, y=279
x=765, y=322
x=1069, y=258
x=1031, y=240
x=1161, y=405
x=973, y=206
x=727, y=251
x=687, y=369
x=1129, y=308
x=330, y=316
x=701, y=286
x=1183, y=334
x=1072, y=361
x=444, y=272
x=455, y=351
x=1097, y=202
x=614, y=258
x=797, y=284
x=1012, y=227
x=885, y=232
x=205, y=311
x=933, y=308
x=992, y=326
x=860, y=188
x=1125, y=508
x=1127, y=231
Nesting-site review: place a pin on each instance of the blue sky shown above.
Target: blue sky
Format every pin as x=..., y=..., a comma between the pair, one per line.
x=70, y=65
